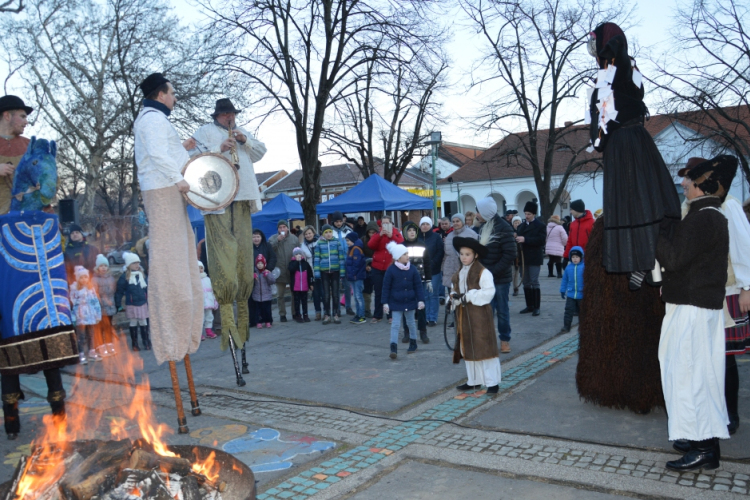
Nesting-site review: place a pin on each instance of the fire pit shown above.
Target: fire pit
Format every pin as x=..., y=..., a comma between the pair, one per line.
x=125, y=470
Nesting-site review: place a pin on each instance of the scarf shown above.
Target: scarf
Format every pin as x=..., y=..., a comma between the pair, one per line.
x=136, y=278
x=403, y=267
x=148, y=103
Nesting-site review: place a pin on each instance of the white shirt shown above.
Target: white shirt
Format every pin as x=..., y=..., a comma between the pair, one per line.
x=159, y=154
x=209, y=138
x=480, y=297
x=739, y=244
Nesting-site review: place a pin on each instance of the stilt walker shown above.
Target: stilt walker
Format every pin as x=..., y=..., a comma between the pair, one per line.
x=229, y=231
x=176, y=294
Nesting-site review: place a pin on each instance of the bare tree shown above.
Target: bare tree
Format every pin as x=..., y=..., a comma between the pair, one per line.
x=706, y=84
x=303, y=56
x=535, y=58
x=84, y=61
x=8, y=6
x=383, y=123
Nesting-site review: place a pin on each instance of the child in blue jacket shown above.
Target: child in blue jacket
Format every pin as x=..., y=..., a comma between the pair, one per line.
x=403, y=294
x=356, y=274
x=571, y=288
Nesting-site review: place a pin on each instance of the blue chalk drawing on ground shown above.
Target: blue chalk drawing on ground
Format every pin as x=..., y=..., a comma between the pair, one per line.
x=263, y=451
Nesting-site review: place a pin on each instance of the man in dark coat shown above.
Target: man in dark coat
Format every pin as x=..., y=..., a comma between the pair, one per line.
x=497, y=235
x=78, y=252
x=419, y=257
x=434, y=245
x=532, y=236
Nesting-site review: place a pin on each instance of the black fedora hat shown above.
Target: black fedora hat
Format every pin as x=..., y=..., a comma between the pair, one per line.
x=224, y=106
x=459, y=243
x=12, y=102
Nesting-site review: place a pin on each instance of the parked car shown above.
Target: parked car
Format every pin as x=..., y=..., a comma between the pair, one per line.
x=115, y=256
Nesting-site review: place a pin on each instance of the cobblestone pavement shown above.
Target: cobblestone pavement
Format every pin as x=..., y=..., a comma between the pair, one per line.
x=377, y=444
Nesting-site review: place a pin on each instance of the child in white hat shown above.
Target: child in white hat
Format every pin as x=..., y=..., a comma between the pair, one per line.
x=87, y=313
x=133, y=286
x=210, y=304
x=105, y=286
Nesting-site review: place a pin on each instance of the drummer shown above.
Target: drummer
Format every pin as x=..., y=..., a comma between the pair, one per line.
x=229, y=232
x=175, y=293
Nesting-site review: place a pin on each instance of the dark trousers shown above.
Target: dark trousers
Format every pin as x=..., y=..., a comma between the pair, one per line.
x=330, y=282
x=377, y=283
x=11, y=393
x=421, y=321
x=300, y=303
x=732, y=387
x=260, y=312
x=572, y=306
x=317, y=295
x=369, y=287
x=555, y=260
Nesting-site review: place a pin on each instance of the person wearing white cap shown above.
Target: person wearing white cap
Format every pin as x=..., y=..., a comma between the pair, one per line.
x=87, y=312
x=434, y=245
x=105, y=287
x=497, y=235
x=403, y=294
x=133, y=286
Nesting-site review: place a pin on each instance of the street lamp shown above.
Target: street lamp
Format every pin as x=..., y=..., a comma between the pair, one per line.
x=458, y=188
x=435, y=140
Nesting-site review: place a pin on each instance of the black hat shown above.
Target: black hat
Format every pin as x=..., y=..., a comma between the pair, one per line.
x=692, y=162
x=12, y=103
x=459, y=243
x=578, y=206
x=352, y=236
x=714, y=176
x=511, y=212
x=224, y=106
x=336, y=216
x=531, y=207
x=152, y=82
x=75, y=227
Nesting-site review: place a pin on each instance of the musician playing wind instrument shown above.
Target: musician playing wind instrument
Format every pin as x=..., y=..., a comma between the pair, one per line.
x=229, y=232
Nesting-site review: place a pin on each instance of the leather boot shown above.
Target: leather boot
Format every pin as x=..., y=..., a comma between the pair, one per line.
x=528, y=294
x=134, y=338
x=703, y=455
x=537, y=301
x=681, y=445
x=12, y=420
x=146, y=338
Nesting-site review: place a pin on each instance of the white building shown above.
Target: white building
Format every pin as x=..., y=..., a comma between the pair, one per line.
x=504, y=172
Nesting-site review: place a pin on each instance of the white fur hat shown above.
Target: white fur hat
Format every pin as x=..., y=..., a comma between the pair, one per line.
x=487, y=208
x=129, y=258
x=424, y=220
x=396, y=249
x=101, y=260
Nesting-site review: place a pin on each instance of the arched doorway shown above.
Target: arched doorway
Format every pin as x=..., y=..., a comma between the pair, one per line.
x=524, y=197
x=501, y=204
x=468, y=204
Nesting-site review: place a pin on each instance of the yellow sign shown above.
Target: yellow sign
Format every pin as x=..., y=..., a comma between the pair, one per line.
x=426, y=193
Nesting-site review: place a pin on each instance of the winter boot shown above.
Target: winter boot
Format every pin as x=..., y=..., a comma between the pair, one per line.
x=528, y=295
x=317, y=316
x=146, y=338
x=134, y=338
x=424, y=337
x=537, y=301
x=412, y=346
x=10, y=412
x=393, y=355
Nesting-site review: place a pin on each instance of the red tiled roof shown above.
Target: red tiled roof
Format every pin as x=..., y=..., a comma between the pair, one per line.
x=708, y=123
x=345, y=174
x=459, y=154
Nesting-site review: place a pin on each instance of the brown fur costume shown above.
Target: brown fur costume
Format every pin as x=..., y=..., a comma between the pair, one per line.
x=619, y=334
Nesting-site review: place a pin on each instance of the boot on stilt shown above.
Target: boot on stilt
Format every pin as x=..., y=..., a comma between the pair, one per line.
x=146, y=338
x=528, y=294
x=134, y=338
x=245, y=369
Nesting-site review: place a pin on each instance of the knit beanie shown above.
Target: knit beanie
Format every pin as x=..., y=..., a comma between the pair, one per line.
x=425, y=220
x=283, y=221
x=81, y=271
x=200, y=264
x=130, y=258
x=260, y=258
x=298, y=251
x=326, y=227
x=373, y=225
x=336, y=216
x=578, y=206
x=460, y=217
x=487, y=208
x=396, y=249
x=101, y=260
x=516, y=218
x=352, y=236
x=75, y=227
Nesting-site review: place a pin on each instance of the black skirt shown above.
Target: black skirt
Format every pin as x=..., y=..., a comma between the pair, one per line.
x=639, y=193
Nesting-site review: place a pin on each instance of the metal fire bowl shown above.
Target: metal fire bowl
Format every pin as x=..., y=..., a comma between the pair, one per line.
x=240, y=485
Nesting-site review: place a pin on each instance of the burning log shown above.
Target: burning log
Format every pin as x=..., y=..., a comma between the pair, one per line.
x=142, y=459
x=97, y=472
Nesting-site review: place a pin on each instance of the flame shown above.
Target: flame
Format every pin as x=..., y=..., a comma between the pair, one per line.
x=125, y=401
x=208, y=467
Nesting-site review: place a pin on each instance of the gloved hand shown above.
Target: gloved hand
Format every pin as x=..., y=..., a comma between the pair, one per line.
x=457, y=296
x=428, y=287
x=255, y=276
x=562, y=294
x=386, y=309
x=266, y=272
x=420, y=305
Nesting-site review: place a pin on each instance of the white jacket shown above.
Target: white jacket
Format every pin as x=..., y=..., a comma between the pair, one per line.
x=209, y=138
x=159, y=154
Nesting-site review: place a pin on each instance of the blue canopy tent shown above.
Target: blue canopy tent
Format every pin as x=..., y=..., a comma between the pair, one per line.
x=372, y=195
x=280, y=207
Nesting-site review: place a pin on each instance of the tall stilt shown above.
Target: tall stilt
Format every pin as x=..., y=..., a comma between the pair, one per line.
x=196, y=409
x=182, y=427
x=244, y=361
x=232, y=347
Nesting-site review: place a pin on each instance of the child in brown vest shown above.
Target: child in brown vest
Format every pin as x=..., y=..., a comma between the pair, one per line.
x=472, y=292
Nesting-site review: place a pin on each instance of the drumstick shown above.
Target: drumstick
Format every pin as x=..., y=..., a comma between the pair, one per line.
x=204, y=197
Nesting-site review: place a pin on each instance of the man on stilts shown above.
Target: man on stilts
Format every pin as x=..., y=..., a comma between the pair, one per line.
x=176, y=298
x=229, y=232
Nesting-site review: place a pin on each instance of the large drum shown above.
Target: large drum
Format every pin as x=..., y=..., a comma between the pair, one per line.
x=214, y=181
x=35, y=318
